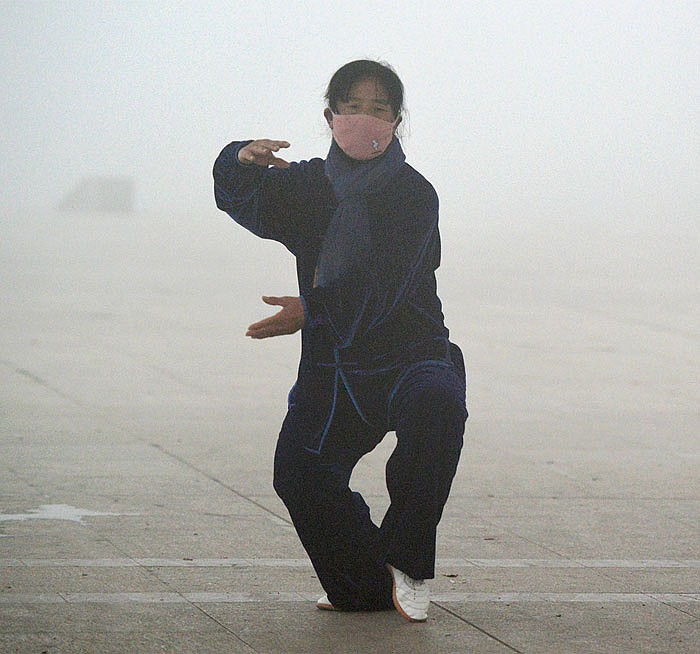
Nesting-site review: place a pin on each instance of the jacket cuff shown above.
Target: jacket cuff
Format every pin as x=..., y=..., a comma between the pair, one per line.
x=314, y=309
x=232, y=151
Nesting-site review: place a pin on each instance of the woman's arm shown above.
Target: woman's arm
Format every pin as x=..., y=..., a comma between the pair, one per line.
x=279, y=202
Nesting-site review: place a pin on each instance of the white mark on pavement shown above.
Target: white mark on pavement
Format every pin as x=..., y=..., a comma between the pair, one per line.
x=442, y=564
x=266, y=598
x=56, y=512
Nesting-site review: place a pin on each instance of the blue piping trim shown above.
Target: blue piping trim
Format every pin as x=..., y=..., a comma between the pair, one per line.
x=358, y=319
x=356, y=404
x=330, y=418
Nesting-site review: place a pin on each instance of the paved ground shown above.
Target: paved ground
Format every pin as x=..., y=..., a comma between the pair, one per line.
x=137, y=513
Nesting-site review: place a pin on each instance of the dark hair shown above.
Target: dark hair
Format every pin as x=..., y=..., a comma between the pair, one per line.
x=362, y=69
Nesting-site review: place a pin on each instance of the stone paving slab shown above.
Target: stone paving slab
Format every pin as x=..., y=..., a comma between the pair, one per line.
x=276, y=628
x=587, y=627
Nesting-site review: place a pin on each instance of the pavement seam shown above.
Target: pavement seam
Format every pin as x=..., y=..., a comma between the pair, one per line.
x=477, y=627
x=657, y=597
x=151, y=571
x=595, y=570
x=295, y=596
x=221, y=624
x=217, y=481
x=442, y=564
x=28, y=374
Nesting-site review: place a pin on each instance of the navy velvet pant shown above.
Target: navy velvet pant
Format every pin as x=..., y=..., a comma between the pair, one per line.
x=348, y=551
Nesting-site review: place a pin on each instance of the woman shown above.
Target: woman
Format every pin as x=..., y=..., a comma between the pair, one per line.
x=375, y=357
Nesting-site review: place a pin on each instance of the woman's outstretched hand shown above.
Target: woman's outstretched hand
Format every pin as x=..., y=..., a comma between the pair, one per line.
x=261, y=153
x=287, y=321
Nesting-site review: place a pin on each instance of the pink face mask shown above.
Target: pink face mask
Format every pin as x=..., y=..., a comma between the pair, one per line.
x=361, y=136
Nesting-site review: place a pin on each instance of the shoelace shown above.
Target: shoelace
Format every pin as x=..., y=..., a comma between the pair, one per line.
x=416, y=585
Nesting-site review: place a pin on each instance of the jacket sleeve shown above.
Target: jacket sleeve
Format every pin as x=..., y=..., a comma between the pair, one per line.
x=404, y=248
x=272, y=203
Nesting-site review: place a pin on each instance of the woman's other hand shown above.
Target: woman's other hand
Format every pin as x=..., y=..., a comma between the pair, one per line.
x=287, y=321
x=261, y=153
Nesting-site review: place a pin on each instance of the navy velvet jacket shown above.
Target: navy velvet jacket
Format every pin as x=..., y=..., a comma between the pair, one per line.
x=383, y=318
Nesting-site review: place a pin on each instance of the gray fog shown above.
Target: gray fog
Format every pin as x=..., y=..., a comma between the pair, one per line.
x=562, y=139
x=520, y=112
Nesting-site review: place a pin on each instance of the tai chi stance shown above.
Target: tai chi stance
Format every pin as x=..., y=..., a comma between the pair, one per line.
x=363, y=226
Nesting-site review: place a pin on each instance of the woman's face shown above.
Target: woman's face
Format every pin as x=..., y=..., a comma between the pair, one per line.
x=365, y=97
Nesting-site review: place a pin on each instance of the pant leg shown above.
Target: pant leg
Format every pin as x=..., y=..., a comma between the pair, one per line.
x=429, y=414
x=333, y=523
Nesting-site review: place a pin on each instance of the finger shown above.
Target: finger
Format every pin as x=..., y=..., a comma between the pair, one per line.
x=264, y=330
x=274, y=301
x=266, y=146
x=258, y=156
x=256, y=334
x=275, y=145
x=268, y=159
x=260, y=333
x=280, y=163
x=262, y=324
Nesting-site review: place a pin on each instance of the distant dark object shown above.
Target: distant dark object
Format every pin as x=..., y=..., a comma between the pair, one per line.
x=113, y=194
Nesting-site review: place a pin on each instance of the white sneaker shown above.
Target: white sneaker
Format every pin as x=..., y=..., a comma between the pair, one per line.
x=324, y=604
x=411, y=596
